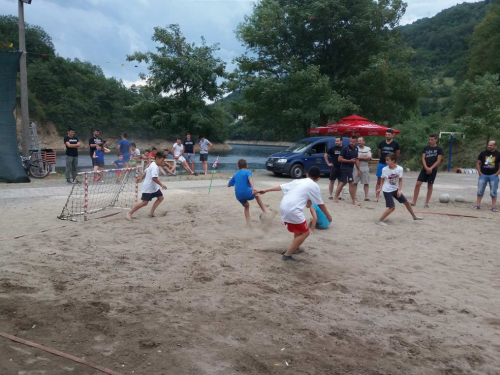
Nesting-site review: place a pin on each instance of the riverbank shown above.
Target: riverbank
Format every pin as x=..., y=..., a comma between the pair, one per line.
x=260, y=143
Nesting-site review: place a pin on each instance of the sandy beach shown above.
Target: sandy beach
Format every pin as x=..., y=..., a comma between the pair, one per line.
x=193, y=291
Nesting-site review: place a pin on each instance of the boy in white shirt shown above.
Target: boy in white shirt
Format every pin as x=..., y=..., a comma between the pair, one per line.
x=296, y=195
x=178, y=150
x=391, y=185
x=150, y=187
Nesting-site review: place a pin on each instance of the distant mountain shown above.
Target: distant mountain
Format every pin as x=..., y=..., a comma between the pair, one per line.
x=441, y=42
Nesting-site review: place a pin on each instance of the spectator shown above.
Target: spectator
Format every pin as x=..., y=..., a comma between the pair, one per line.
x=189, y=151
x=205, y=146
x=335, y=173
x=124, y=149
x=364, y=156
x=349, y=158
x=178, y=150
x=487, y=167
x=93, y=141
x=72, y=144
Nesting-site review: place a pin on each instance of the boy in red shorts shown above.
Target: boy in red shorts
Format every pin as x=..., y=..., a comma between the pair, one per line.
x=296, y=195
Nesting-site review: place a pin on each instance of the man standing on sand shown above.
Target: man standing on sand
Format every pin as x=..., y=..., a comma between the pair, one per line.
x=93, y=141
x=72, y=144
x=335, y=173
x=205, y=146
x=487, y=167
x=349, y=158
x=124, y=149
x=364, y=156
x=189, y=151
x=389, y=146
x=431, y=158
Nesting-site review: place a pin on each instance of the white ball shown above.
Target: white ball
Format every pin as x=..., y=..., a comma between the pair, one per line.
x=459, y=198
x=408, y=170
x=444, y=198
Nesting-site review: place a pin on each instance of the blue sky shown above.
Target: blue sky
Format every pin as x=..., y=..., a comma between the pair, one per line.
x=105, y=31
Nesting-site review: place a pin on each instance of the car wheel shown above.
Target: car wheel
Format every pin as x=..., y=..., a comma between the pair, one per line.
x=297, y=171
x=278, y=174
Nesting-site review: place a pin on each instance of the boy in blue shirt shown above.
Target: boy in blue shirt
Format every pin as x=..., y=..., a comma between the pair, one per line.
x=319, y=219
x=119, y=164
x=244, y=189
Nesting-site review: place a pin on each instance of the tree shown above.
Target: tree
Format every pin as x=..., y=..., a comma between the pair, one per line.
x=182, y=78
x=338, y=46
x=478, y=106
x=485, y=44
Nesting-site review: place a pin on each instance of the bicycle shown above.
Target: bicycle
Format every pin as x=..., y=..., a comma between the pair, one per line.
x=37, y=168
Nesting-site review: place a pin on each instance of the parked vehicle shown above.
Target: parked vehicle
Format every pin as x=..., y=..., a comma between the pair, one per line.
x=302, y=155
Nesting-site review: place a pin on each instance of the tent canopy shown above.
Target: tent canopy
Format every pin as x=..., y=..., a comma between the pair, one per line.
x=352, y=125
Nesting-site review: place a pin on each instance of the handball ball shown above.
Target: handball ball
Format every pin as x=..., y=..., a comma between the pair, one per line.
x=444, y=198
x=459, y=198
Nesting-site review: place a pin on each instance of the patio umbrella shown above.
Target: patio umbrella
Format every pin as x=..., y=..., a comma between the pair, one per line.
x=352, y=125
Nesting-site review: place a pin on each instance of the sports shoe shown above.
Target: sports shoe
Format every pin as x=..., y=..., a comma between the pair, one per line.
x=381, y=223
x=418, y=217
x=69, y=181
x=426, y=206
x=285, y=258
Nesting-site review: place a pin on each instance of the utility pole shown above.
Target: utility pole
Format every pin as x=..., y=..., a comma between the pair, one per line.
x=25, y=126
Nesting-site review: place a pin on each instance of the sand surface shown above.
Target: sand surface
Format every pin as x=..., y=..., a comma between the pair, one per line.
x=192, y=291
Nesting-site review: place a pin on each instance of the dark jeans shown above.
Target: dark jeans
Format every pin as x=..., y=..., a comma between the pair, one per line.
x=71, y=164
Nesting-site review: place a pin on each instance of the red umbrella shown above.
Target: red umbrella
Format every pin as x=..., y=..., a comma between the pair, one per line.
x=352, y=125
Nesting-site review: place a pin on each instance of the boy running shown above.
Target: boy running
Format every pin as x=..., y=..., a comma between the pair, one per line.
x=296, y=195
x=392, y=183
x=150, y=187
x=244, y=189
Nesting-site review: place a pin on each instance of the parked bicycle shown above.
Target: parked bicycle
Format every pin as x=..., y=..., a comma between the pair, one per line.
x=37, y=168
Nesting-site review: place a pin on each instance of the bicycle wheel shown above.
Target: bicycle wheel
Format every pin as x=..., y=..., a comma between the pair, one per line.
x=39, y=168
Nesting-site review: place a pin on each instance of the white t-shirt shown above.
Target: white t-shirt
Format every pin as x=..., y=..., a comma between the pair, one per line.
x=365, y=152
x=296, y=195
x=391, y=178
x=178, y=149
x=148, y=185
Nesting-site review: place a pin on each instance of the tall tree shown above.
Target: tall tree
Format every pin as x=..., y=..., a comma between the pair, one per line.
x=353, y=46
x=485, y=44
x=182, y=78
x=477, y=104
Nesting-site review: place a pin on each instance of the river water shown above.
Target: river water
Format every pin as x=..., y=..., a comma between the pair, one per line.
x=255, y=156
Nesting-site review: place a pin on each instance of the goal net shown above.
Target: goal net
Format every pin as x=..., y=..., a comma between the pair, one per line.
x=96, y=191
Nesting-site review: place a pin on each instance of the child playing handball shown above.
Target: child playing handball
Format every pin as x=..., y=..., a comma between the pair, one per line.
x=150, y=187
x=391, y=185
x=319, y=219
x=99, y=160
x=296, y=195
x=244, y=189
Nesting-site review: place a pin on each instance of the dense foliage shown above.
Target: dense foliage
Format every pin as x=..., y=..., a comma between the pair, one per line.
x=311, y=62
x=182, y=78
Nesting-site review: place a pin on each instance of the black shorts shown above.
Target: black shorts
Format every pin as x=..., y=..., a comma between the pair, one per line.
x=335, y=174
x=203, y=157
x=389, y=199
x=347, y=176
x=149, y=196
x=429, y=178
x=99, y=164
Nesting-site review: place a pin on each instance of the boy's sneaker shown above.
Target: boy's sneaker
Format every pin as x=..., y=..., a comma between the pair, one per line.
x=381, y=223
x=418, y=218
x=285, y=258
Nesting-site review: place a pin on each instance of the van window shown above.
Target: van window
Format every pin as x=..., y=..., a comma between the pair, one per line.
x=320, y=148
x=298, y=147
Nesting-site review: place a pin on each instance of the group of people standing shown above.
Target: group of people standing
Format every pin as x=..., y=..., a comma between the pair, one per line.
x=128, y=155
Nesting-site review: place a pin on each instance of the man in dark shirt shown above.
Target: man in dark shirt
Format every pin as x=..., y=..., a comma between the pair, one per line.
x=72, y=144
x=487, y=167
x=348, y=158
x=93, y=141
x=189, y=152
x=334, y=153
x=431, y=158
x=389, y=146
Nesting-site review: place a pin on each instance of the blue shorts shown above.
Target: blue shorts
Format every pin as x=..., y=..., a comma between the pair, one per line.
x=148, y=197
x=380, y=166
x=245, y=201
x=126, y=157
x=484, y=180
